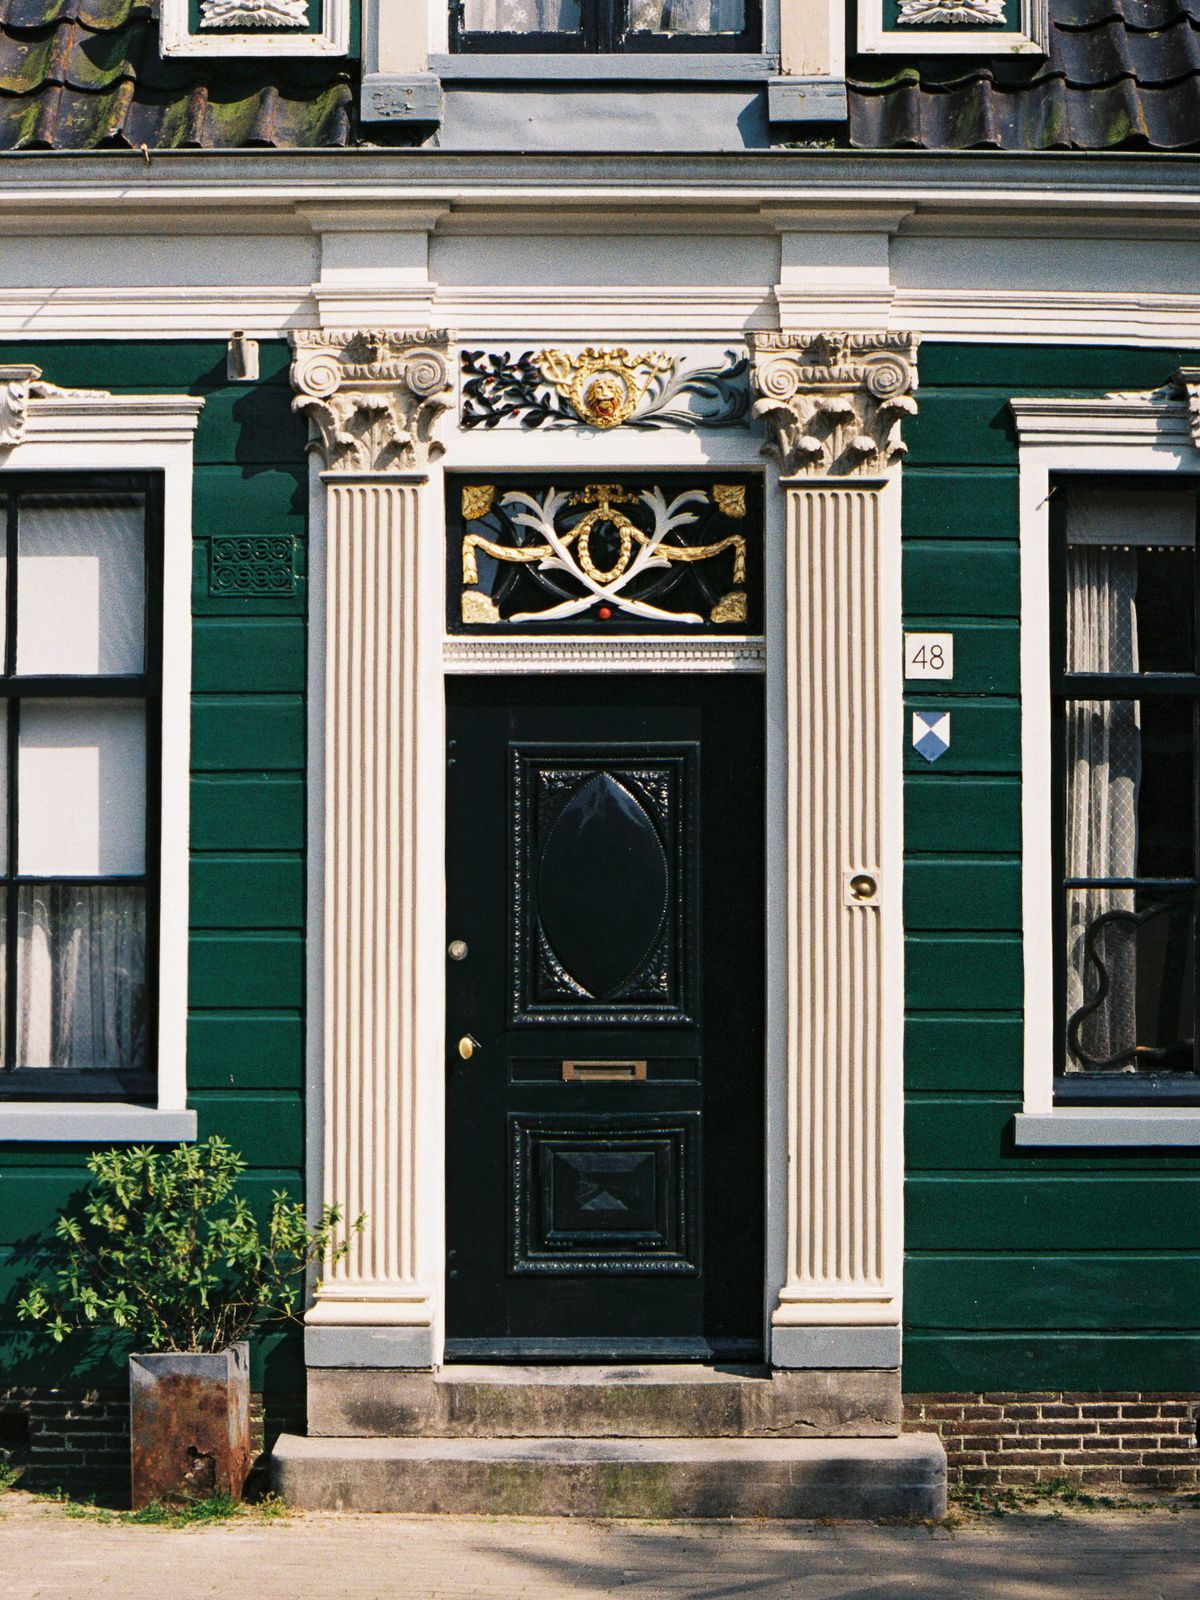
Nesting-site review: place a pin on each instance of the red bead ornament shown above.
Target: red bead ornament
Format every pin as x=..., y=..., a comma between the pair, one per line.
x=604, y=613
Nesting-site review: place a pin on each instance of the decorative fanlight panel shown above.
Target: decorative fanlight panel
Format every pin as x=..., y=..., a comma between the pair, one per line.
x=674, y=552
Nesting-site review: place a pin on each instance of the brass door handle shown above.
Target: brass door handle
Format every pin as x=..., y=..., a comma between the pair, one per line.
x=467, y=1046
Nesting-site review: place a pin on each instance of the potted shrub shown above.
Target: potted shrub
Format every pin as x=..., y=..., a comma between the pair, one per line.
x=163, y=1250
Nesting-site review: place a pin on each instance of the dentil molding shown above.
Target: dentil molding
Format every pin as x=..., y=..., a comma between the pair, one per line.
x=372, y=396
x=834, y=403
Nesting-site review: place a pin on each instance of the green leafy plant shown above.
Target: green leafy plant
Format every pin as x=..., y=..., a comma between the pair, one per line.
x=163, y=1249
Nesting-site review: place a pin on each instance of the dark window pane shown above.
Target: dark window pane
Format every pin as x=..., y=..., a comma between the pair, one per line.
x=1130, y=981
x=687, y=16
x=81, y=977
x=1129, y=788
x=1130, y=580
x=521, y=16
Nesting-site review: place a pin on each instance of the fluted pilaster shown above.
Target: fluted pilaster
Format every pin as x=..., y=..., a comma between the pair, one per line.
x=372, y=399
x=833, y=404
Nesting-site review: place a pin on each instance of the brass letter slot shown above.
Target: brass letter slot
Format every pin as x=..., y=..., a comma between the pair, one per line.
x=604, y=1071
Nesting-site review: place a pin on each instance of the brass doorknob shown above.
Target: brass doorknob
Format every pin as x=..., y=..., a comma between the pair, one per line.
x=467, y=1046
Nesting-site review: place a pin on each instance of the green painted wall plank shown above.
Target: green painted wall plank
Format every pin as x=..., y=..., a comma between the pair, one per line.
x=231, y=654
x=960, y=503
x=229, y=500
x=961, y=815
x=986, y=656
x=247, y=892
x=1020, y=1292
x=962, y=972
x=240, y=1050
x=250, y=970
x=961, y=427
x=961, y=1362
x=267, y=1129
x=247, y=812
x=948, y=894
x=1017, y=368
x=961, y=578
x=974, y=1134
x=259, y=731
x=985, y=735
x=964, y=1054
x=1087, y=1212
x=250, y=424
x=30, y=1202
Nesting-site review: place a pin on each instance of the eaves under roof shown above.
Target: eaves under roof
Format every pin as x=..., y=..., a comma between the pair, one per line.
x=87, y=75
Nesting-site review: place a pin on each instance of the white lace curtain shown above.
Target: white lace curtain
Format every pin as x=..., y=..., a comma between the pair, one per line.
x=1103, y=755
x=562, y=16
x=521, y=16
x=81, y=978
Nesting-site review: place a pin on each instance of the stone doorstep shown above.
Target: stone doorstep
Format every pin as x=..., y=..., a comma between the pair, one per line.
x=851, y=1479
x=603, y=1402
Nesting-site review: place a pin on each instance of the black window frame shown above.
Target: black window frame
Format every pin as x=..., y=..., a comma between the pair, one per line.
x=602, y=32
x=1112, y=1087
x=51, y=1083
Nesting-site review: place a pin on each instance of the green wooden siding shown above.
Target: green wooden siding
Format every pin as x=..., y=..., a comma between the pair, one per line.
x=1025, y=1269
x=246, y=978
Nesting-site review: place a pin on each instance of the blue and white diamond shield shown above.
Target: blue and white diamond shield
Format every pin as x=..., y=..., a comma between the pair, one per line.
x=931, y=733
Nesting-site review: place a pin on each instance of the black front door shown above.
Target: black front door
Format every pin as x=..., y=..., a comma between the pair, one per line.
x=604, y=1043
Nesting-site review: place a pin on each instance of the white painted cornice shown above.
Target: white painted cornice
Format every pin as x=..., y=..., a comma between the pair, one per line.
x=1110, y=420
x=1109, y=184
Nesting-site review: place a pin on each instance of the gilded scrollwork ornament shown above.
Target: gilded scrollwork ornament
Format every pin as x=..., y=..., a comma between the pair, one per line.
x=604, y=552
x=602, y=386
x=372, y=396
x=834, y=403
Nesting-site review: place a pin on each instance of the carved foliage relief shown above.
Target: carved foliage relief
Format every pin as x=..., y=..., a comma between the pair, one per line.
x=603, y=387
x=834, y=403
x=372, y=396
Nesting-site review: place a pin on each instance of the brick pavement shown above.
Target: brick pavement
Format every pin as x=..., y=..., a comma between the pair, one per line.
x=45, y=1555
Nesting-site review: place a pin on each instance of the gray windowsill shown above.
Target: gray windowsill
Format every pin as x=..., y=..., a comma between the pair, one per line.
x=94, y=1122
x=1113, y=1126
x=682, y=68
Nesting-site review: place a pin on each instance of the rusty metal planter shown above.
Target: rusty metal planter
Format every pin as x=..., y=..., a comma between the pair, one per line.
x=189, y=1425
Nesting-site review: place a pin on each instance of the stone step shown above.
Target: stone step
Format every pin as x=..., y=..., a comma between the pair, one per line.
x=602, y=1402
x=845, y=1478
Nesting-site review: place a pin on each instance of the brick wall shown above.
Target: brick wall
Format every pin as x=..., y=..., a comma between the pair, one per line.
x=80, y=1442
x=1130, y=1438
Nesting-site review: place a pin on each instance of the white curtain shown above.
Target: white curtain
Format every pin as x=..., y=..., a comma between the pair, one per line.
x=687, y=16
x=521, y=16
x=81, y=977
x=1103, y=753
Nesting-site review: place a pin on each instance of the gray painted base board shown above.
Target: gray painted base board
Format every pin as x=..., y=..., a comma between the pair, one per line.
x=368, y=1347
x=619, y=118
x=835, y=1347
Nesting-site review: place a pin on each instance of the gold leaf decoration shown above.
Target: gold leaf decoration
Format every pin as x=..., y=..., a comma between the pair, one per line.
x=730, y=498
x=477, y=500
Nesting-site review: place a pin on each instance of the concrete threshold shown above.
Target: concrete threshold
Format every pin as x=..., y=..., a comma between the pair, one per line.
x=852, y=1479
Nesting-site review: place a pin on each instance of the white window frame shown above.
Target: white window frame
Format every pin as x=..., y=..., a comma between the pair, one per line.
x=92, y=431
x=176, y=37
x=963, y=39
x=1112, y=434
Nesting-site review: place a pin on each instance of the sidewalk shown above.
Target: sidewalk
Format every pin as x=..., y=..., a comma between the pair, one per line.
x=47, y=1555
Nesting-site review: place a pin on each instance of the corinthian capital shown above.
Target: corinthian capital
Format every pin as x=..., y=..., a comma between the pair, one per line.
x=372, y=396
x=833, y=403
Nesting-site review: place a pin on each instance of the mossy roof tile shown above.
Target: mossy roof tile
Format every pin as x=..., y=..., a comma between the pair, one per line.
x=87, y=74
